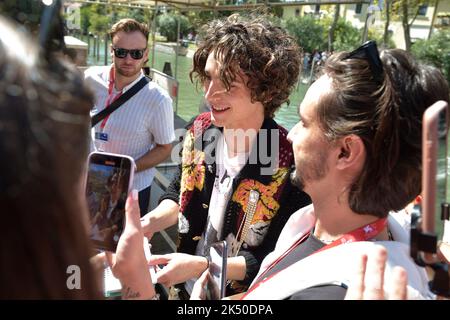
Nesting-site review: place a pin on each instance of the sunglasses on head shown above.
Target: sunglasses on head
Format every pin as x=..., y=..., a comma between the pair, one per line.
x=369, y=51
x=134, y=53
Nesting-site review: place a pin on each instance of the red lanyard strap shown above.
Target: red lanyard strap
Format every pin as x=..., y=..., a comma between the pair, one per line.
x=363, y=233
x=119, y=101
x=111, y=97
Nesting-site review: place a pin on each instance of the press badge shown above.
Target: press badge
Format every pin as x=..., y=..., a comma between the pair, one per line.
x=101, y=136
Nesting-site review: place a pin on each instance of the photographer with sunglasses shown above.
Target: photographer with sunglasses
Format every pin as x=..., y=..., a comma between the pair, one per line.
x=143, y=126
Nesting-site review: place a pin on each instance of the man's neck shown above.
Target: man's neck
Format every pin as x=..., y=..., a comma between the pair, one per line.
x=241, y=140
x=334, y=219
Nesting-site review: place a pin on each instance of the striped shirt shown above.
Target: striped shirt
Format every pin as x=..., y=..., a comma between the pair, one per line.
x=145, y=120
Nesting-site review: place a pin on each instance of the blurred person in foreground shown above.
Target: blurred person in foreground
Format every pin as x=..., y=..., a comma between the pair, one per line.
x=44, y=139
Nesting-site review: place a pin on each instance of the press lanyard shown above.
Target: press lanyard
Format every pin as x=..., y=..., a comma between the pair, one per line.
x=111, y=97
x=363, y=233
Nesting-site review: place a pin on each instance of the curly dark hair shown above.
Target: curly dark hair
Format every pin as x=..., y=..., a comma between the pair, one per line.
x=387, y=115
x=269, y=57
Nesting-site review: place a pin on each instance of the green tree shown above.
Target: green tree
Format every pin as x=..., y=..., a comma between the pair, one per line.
x=332, y=28
x=407, y=11
x=99, y=24
x=387, y=16
x=99, y=18
x=95, y=19
x=199, y=18
x=435, y=51
x=307, y=31
x=379, y=36
x=85, y=12
x=168, y=24
x=347, y=37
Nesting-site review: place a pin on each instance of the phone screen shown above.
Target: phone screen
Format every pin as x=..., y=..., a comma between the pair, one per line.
x=442, y=170
x=108, y=181
x=215, y=287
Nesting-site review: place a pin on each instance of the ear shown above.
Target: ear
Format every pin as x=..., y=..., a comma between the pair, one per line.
x=350, y=153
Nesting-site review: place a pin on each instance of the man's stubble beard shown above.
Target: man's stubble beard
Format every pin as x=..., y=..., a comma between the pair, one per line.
x=313, y=170
x=127, y=73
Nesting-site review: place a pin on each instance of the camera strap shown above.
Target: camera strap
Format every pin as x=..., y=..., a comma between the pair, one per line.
x=120, y=101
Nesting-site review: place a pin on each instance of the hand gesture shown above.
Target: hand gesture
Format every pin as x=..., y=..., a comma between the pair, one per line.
x=179, y=267
x=368, y=280
x=129, y=264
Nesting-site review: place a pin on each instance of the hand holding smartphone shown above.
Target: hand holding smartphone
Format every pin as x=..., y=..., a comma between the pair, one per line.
x=109, y=180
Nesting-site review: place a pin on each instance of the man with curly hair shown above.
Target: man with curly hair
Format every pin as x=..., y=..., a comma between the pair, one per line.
x=233, y=181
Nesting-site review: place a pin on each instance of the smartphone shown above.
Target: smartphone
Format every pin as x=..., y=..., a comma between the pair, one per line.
x=427, y=227
x=109, y=179
x=434, y=171
x=217, y=279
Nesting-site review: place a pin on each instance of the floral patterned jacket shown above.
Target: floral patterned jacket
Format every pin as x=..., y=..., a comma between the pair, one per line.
x=193, y=184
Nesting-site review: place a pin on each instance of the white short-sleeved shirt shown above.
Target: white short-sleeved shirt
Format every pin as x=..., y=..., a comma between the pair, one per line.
x=145, y=120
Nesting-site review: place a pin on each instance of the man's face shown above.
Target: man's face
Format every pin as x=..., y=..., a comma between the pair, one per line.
x=310, y=147
x=129, y=67
x=230, y=109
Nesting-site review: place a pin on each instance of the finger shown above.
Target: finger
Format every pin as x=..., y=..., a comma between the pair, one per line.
x=163, y=277
x=204, y=277
x=132, y=212
x=399, y=285
x=159, y=259
x=374, y=277
x=110, y=258
x=198, y=291
x=356, y=288
x=98, y=261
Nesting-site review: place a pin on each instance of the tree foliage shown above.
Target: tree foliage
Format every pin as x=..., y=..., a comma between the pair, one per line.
x=407, y=11
x=199, y=18
x=379, y=36
x=435, y=51
x=168, y=26
x=307, y=32
x=347, y=37
x=98, y=19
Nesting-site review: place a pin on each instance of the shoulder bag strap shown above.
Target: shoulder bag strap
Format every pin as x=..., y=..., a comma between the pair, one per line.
x=121, y=100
